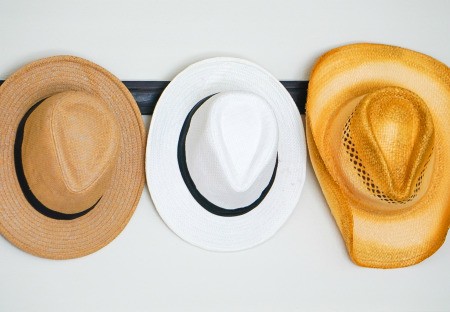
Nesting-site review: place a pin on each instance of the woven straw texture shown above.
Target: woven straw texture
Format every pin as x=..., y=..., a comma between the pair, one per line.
x=378, y=137
x=20, y=223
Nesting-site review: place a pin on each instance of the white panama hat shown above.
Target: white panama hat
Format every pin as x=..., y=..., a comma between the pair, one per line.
x=226, y=155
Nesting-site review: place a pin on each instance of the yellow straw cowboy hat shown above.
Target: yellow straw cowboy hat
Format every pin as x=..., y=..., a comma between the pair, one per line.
x=378, y=130
x=71, y=157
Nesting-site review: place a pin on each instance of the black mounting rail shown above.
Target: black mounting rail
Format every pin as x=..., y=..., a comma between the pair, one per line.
x=147, y=93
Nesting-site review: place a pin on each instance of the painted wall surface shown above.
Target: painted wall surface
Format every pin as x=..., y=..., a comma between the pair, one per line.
x=305, y=267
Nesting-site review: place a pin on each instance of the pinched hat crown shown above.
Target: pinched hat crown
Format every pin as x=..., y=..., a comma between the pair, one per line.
x=227, y=174
x=389, y=140
x=70, y=146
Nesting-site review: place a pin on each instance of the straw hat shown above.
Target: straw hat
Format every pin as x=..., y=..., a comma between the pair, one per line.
x=226, y=155
x=379, y=139
x=72, y=151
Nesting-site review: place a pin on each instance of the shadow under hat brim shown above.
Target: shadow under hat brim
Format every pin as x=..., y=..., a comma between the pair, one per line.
x=175, y=204
x=23, y=225
x=374, y=238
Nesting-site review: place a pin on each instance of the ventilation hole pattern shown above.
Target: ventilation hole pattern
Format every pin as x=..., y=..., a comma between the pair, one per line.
x=367, y=181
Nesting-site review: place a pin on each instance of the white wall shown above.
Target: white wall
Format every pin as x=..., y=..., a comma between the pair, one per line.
x=153, y=40
x=305, y=266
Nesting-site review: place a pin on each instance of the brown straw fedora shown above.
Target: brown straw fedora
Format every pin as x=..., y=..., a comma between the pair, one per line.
x=378, y=130
x=71, y=157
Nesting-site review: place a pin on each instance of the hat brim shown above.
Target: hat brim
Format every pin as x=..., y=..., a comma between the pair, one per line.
x=374, y=238
x=175, y=204
x=23, y=225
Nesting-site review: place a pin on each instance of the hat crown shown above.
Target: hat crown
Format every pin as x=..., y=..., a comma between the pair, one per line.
x=393, y=133
x=227, y=174
x=69, y=149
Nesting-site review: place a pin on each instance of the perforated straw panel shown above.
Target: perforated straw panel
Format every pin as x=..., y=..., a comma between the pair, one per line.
x=358, y=166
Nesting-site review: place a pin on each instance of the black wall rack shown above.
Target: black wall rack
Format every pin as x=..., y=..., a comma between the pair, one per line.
x=147, y=93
